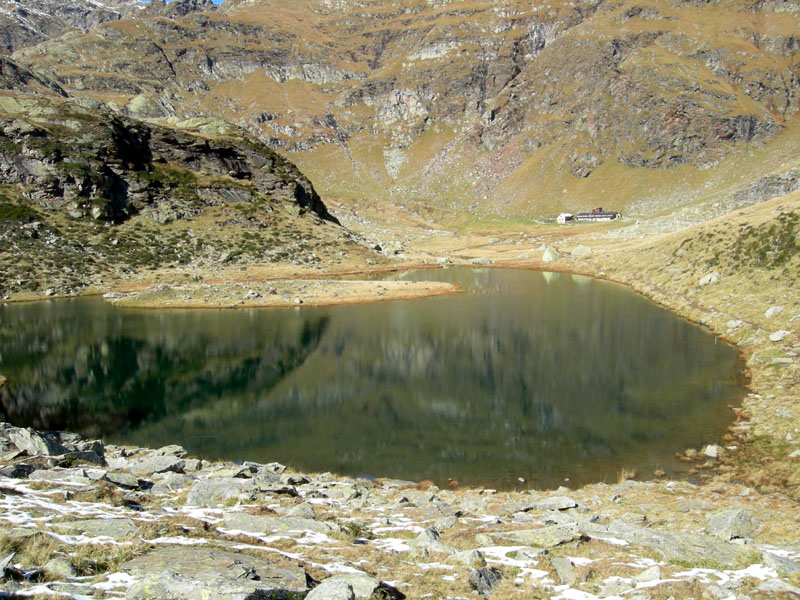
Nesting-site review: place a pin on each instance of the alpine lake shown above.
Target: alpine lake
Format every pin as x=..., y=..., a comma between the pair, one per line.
x=526, y=379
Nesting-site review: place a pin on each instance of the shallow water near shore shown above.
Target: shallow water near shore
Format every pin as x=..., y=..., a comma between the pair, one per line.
x=540, y=376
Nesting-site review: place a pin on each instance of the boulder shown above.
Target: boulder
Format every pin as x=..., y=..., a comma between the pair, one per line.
x=61, y=476
x=211, y=492
x=785, y=566
x=187, y=573
x=484, y=580
x=778, y=335
x=772, y=311
x=263, y=524
x=709, y=279
x=580, y=251
x=35, y=443
x=550, y=255
x=544, y=537
x=122, y=479
x=555, y=503
x=732, y=524
x=362, y=584
x=332, y=590
x=117, y=529
x=157, y=464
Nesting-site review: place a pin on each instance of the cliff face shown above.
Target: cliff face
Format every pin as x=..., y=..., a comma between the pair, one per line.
x=506, y=107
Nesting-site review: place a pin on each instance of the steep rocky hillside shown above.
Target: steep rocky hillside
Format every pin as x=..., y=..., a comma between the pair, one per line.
x=26, y=23
x=89, y=197
x=509, y=107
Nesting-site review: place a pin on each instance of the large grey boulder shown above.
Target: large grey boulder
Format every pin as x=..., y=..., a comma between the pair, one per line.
x=544, y=537
x=555, y=503
x=117, y=529
x=332, y=590
x=61, y=476
x=262, y=524
x=484, y=580
x=732, y=524
x=362, y=584
x=35, y=443
x=187, y=573
x=549, y=255
x=157, y=464
x=211, y=492
x=680, y=546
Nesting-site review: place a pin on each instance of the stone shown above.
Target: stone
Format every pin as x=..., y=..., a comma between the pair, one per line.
x=263, y=524
x=117, y=529
x=709, y=279
x=171, y=450
x=779, y=587
x=556, y=503
x=170, y=483
x=772, y=311
x=157, y=464
x=782, y=565
x=59, y=568
x=445, y=523
x=5, y=563
x=122, y=479
x=429, y=534
x=190, y=572
x=17, y=471
x=549, y=255
x=711, y=451
x=566, y=571
x=732, y=524
x=332, y=590
x=362, y=584
x=545, y=537
x=651, y=574
x=304, y=510
x=192, y=464
x=470, y=558
x=34, y=443
x=778, y=336
x=580, y=251
x=211, y=492
x=61, y=475
x=681, y=546
x=484, y=580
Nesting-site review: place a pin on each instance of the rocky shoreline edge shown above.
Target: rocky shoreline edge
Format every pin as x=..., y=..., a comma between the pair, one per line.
x=81, y=519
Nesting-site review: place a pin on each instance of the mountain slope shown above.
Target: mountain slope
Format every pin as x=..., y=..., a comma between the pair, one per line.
x=508, y=108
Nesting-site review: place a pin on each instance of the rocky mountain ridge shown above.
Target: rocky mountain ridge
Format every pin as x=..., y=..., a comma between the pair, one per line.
x=25, y=23
x=508, y=108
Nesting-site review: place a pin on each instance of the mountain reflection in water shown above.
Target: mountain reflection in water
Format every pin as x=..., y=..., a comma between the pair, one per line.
x=532, y=375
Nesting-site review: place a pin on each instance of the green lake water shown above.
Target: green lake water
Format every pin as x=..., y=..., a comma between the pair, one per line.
x=543, y=376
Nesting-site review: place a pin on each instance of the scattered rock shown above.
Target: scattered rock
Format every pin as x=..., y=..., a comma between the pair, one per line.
x=362, y=584
x=35, y=443
x=732, y=524
x=711, y=451
x=484, y=580
x=211, y=492
x=59, y=568
x=580, y=251
x=550, y=255
x=545, y=537
x=651, y=574
x=332, y=589
x=157, y=464
x=778, y=335
x=782, y=565
x=556, y=503
x=262, y=524
x=709, y=279
x=117, y=529
x=470, y=558
x=772, y=311
x=566, y=571
x=188, y=573
x=122, y=479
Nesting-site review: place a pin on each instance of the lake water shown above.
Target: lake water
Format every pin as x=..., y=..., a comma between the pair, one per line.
x=542, y=376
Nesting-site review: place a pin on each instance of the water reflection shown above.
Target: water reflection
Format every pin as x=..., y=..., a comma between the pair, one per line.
x=540, y=376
